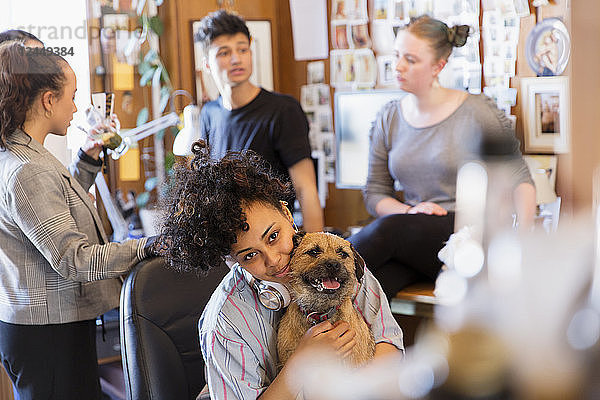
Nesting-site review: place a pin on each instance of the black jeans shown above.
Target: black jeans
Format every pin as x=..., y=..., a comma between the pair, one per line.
x=401, y=249
x=51, y=361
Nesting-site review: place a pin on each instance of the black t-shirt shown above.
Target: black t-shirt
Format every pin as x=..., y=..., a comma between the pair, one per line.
x=272, y=124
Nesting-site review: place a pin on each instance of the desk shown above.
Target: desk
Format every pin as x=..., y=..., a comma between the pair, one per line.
x=417, y=300
x=6, y=388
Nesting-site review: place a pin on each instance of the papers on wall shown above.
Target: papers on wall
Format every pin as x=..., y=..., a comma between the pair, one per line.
x=463, y=70
x=315, y=99
x=309, y=29
x=352, y=61
x=353, y=68
x=464, y=66
x=500, y=30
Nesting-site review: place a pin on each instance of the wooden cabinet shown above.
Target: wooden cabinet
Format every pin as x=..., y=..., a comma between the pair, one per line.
x=6, y=388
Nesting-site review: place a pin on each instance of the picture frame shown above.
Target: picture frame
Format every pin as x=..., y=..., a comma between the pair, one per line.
x=360, y=36
x=543, y=172
x=380, y=9
x=546, y=114
x=339, y=36
x=386, y=65
x=315, y=72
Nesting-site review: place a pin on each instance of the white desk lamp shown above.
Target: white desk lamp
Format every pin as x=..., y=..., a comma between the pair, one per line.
x=191, y=113
x=182, y=146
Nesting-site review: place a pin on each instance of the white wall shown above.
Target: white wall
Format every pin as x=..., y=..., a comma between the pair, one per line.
x=58, y=23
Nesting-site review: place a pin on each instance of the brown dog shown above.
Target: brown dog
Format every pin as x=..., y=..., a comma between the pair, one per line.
x=325, y=269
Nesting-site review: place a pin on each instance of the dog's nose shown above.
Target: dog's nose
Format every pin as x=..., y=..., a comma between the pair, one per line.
x=332, y=265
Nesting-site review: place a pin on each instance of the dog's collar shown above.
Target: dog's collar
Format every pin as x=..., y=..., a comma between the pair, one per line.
x=315, y=317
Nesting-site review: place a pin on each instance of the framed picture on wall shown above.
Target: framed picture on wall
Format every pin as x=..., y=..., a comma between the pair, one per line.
x=546, y=114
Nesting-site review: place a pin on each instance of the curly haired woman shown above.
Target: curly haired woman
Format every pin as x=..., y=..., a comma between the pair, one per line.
x=232, y=209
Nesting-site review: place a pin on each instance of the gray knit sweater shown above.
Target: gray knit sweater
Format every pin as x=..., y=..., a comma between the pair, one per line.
x=424, y=161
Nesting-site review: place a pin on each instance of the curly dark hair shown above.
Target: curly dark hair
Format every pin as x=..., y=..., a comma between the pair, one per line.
x=204, y=203
x=25, y=73
x=219, y=23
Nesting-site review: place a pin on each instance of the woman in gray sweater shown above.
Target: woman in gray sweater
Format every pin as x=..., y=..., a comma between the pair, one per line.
x=419, y=142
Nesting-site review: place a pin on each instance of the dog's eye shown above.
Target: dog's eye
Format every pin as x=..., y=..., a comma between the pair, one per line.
x=313, y=252
x=342, y=254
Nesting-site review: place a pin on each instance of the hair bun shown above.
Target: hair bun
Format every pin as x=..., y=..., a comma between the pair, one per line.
x=201, y=154
x=457, y=35
x=199, y=147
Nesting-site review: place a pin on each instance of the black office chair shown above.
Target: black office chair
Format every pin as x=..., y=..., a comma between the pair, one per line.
x=159, y=316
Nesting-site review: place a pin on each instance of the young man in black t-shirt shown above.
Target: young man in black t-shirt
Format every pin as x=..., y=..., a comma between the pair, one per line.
x=248, y=117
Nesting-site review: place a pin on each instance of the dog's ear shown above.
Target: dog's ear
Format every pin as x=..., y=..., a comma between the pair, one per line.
x=297, y=238
x=359, y=264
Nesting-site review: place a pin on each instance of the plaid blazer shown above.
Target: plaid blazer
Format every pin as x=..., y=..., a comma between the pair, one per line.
x=56, y=264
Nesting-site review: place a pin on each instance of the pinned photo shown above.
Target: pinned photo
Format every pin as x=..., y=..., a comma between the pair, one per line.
x=308, y=96
x=340, y=36
x=356, y=9
x=323, y=119
x=310, y=116
x=366, y=67
x=342, y=71
x=400, y=11
x=386, y=70
x=473, y=78
x=323, y=94
x=327, y=145
x=360, y=36
x=491, y=18
x=338, y=10
x=493, y=66
x=380, y=8
x=315, y=72
x=417, y=8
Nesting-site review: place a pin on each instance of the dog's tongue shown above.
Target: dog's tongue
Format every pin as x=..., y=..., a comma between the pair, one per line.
x=330, y=284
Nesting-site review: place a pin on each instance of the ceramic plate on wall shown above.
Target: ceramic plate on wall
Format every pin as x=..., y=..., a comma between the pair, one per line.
x=548, y=47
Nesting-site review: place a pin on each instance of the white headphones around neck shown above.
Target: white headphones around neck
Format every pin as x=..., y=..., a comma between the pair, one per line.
x=271, y=295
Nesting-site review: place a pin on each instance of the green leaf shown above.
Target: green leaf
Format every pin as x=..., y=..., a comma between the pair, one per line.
x=169, y=161
x=151, y=183
x=145, y=79
x=142, y=199
x=174, y=131
x=156, y=25
x=151, y=56
x=156, y=76
x=164, y=98
x=165, y=76
x=160, y=134
x=144, y=66
x=142, y=117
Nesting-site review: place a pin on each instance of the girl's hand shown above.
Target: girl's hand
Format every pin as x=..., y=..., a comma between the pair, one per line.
x=428, y=208
x=93, y=146
x=337, y=338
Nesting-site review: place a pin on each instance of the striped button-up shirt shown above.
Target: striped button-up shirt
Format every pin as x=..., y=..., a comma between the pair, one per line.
x=238, y=336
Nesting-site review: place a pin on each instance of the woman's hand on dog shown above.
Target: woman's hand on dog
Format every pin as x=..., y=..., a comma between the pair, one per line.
x=337, y=338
